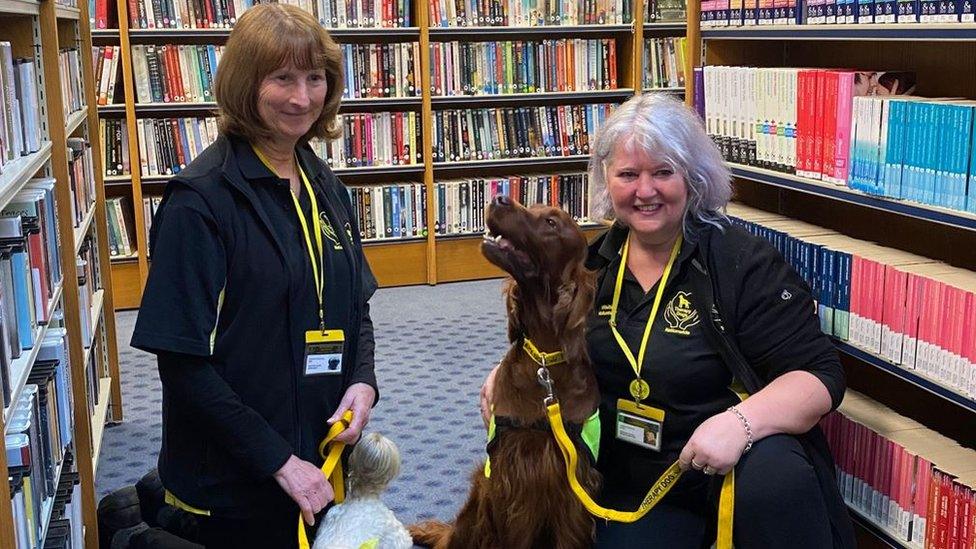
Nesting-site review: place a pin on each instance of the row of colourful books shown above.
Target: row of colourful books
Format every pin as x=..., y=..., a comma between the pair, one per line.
x=913, y=483
x=81, y=178
x=37, y=440
x=20, y=108
x=89, y=282
x=69, y=69
x=210, y=14
x=121, y=227
x=725, y=13
x=30, y=271
x=115, y=146
x=172, y=73
x=915, y=148
x=381, y=70
x=516, y=132
x=167, y=145
x=393, y=211
x=105, y=61
x=853, y=128
x=528, y=13
x=664, y=62
x=665, y=11
x=374, y=139
x=460, y=205
x=912, y=311
x=503, y=67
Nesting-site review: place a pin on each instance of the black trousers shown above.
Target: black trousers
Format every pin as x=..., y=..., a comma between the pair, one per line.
x=778, y=503
x=271, y=530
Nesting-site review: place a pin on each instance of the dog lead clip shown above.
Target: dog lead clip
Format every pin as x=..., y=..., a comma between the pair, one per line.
x=546, y=381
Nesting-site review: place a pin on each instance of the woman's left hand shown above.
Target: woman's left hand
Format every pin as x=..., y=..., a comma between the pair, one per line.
x=715, y=446
x=359, y=398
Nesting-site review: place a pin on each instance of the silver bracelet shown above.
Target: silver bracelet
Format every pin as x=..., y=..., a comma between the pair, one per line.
x=745, y=424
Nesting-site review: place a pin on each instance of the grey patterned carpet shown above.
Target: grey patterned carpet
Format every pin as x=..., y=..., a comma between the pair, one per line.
x=434, y=346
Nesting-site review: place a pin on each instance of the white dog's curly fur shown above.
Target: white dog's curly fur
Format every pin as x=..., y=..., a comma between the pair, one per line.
x=363, y=519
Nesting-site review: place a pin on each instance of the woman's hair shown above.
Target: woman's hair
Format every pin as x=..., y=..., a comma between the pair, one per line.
x=266, y=38
x=663, y=128
x=373, y=464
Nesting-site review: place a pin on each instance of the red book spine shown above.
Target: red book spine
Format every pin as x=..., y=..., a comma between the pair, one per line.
x=831, y=86
x=955, y=516
x=177, y=143
x=805, y=81
x=944, y=505
x=101, y=14
x=38, y=261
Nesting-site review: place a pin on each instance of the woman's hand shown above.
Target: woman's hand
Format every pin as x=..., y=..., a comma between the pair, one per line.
x=359, y=398
x=715, y=446
x=306, y=485
x=487, y=392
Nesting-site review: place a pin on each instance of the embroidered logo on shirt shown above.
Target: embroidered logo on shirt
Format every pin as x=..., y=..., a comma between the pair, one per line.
x=680, y=315
x=329, y=232
x=786, y=295
x=605, y=310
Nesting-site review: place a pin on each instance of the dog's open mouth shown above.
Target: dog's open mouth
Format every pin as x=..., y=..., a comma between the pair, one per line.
x=502, y=252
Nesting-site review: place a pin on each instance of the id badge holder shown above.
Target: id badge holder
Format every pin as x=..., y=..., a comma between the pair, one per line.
x=323, y=352
x=639, y=424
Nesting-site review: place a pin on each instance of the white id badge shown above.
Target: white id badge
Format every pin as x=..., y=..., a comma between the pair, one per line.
x=639, y=424
x=323, y=352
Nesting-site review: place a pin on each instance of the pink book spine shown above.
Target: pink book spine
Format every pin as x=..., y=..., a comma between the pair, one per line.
x=842, y=131
x=829, y=127
x=969, y=347
x=803, y=102
x=955, y=342
x=816, y=135
x=910, y=344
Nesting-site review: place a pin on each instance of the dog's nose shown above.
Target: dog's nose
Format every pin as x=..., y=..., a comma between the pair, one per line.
x=502, y=200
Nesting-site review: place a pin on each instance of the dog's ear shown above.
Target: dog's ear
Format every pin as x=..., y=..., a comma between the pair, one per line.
x=512, y=296
x=575, y=299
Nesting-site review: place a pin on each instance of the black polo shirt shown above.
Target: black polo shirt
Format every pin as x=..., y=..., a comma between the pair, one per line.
x=231, y=283
x=687, y=377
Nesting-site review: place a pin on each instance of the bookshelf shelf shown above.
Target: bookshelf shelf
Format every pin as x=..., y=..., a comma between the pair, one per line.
x=65, y=12
x=550, y=163
x=99, y=418
x=111, y=109
x=935, y=214
x=48, y=505
x=669, y=27
x=173, y=108
x=881, y=533
x=20, y=368
x=222, y=34
x=105, y=34
x=443, y=34
x=123, y=259
x=664, y=90
x=905, y=31
x=20, y=7
x=376, y=170
x=118, y=180
x=75, y=120
x=906, y=375
x=465, y=101
x=82, y=230
x=385, y=241
x=396, y=103
x=17, y=172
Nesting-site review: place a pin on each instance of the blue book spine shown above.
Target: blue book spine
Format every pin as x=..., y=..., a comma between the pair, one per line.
x=22, y=298
x=865, y=11
x=966, y=11
x=967, y=134
x=971, y=185
x=395, y=206
x=929, y=179
x=958, y=161
x=914, y=148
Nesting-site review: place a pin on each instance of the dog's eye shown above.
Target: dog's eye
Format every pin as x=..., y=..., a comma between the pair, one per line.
x=551, y=221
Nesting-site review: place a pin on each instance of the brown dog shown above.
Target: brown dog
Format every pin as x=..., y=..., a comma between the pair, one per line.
x=527, y=501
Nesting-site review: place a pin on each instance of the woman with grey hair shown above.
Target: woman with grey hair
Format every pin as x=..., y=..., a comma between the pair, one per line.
x=675, y=359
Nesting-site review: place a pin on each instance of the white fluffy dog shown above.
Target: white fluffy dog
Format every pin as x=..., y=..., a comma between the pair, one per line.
x=362, y=520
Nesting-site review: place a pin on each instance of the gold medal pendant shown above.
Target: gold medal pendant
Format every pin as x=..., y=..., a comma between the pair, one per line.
x=639, y=389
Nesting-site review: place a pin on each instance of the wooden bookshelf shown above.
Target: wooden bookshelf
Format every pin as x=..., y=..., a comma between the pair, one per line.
x=942, y=57
x=427, y=260
x=39, y=30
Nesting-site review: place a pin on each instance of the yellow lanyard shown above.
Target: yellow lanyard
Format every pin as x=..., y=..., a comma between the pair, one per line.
x=318, y=266
x=639, y=388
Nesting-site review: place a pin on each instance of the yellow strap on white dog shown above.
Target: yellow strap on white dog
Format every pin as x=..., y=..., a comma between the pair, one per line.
x=331, y=468
x=660, y=488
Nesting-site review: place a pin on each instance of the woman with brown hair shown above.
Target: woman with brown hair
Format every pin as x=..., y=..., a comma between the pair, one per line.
x=257, y=300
